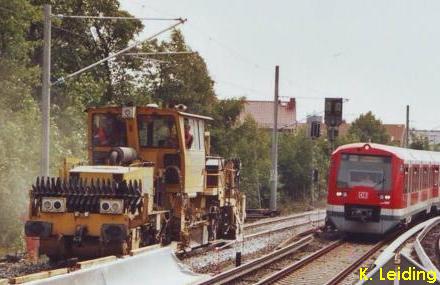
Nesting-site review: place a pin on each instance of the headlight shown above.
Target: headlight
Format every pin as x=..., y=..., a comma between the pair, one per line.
x=111, y=206
x=53, y=205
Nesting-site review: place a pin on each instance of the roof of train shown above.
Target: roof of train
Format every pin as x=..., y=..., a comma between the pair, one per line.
x=408, y=155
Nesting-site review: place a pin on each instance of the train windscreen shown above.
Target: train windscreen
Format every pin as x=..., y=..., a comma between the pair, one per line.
x=365, y=170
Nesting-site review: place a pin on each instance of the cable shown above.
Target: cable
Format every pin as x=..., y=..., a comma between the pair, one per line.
x=61, y=16
x=62, y=79
x=160, y=53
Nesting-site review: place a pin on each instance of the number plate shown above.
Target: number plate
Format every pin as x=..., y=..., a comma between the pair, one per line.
x=363, y=195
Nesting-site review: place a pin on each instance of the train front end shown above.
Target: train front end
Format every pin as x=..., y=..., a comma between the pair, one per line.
x=363, y=190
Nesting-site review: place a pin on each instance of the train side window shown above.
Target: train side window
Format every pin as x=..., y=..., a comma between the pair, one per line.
x=425, y=178
x=430, y=177
x=406, y=180
x=435, y=174
x=415, y=185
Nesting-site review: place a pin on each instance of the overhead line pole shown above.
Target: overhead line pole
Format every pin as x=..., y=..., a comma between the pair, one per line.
x=407, y=127
x=46, y=82
x=45, y=93
x=274, y=172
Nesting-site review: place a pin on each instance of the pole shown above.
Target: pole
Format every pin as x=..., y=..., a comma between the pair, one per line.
x=274, y=173
x=407, y=127
x=45, y=93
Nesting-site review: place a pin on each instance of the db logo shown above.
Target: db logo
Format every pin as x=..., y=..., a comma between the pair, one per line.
x=363, y=195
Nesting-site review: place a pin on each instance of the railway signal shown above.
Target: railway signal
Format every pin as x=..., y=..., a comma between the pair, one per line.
x=333, y=117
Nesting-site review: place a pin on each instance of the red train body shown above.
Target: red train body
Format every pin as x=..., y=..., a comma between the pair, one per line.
x=372, y=188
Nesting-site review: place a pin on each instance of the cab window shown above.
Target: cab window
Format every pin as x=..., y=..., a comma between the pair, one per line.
x=157, y=131
x=109, y=130
x=365, y=170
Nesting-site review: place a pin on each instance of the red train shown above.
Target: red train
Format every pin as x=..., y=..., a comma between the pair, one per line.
x=373, y=188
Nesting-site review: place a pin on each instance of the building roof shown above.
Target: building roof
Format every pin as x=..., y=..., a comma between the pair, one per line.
x=396, y=132
x=262, y=112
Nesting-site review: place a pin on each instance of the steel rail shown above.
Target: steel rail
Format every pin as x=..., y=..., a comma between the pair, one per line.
x=344, y=273
x=353, y=266
x=419, y=249
x=270, y=231
x=238, y=272
x=284, y=218
x=301, y=263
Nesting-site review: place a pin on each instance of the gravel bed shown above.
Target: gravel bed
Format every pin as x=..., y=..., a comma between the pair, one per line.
x=429, y=244
x=218, y=261
x=282, y=263
x=20, y=268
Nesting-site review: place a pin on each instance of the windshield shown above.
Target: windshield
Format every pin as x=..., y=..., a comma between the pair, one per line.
x=364, y=170
x=157, y=131
x=109, y=130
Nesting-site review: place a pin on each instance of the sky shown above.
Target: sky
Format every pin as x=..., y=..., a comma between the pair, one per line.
x=380, y=55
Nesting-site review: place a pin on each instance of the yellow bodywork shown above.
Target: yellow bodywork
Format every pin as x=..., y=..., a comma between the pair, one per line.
x=65, y=224
x=186, y=193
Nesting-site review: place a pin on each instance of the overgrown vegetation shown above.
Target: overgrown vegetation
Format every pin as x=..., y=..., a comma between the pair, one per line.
x=168, y=80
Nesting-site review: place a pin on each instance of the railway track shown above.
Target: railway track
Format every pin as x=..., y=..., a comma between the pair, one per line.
x=431, y=245
x=270, y=223
x=237, y=274
x=298, y=223
x=257, y=230
x=329, y=264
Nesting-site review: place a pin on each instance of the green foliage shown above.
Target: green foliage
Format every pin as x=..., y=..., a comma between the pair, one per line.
x=419, y=142
x=73, y=47
x=19, y=116
x=252, y=145
x=295, y=164
x=181, y=79
x=369, y=129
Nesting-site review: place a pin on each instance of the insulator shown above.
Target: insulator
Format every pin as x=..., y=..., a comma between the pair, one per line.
x=130, y=188
x=38, y=186
x=58, y=186
x=113, y=188
x=108, y=187
x=43, y=186
x=47, y=185
x=122, y=188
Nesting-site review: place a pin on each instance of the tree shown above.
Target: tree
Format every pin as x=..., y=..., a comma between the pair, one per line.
x=295, y=164
x=19, y=116
x=180, y=79
x=252, y=145
x=420, y=142
x=369, y=129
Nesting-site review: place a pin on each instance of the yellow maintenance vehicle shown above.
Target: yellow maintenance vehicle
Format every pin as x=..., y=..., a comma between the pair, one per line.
x=150, y=179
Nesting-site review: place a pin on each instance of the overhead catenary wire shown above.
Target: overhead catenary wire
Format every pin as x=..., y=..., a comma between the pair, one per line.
x=137, y=43
x=61, y=16
x=161, y=53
